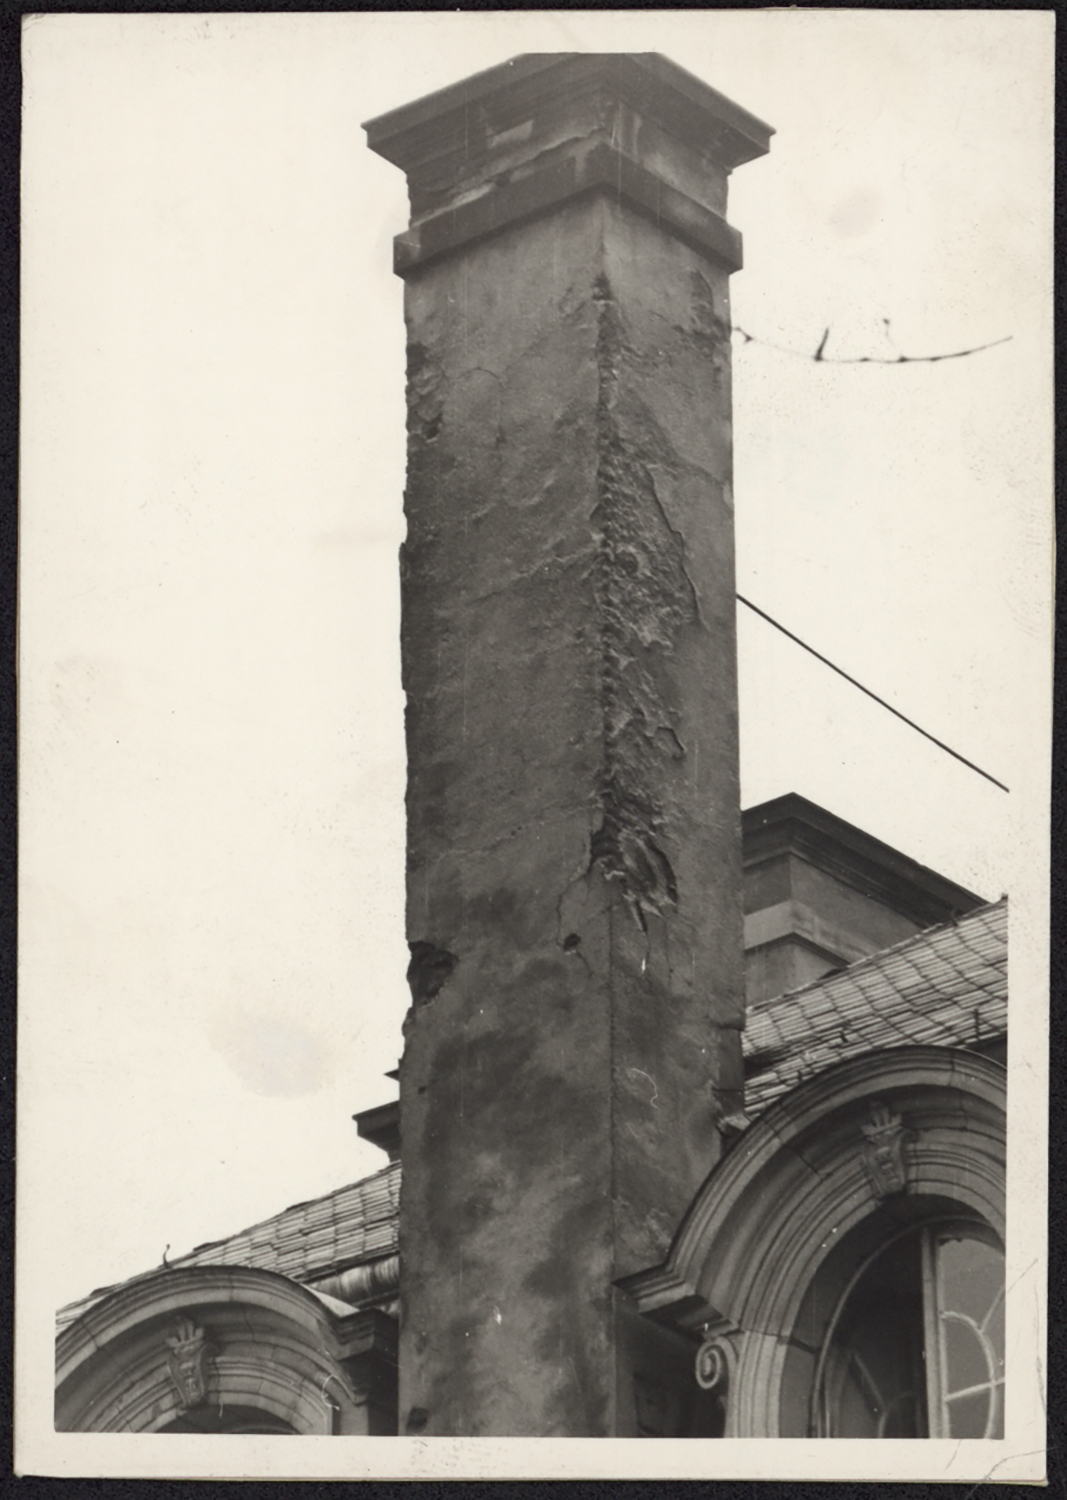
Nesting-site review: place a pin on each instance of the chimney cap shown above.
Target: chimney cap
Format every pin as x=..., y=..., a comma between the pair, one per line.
x=519, y=140
x=500, y=99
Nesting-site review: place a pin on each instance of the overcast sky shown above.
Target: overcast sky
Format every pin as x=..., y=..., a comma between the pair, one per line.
x=212, y=468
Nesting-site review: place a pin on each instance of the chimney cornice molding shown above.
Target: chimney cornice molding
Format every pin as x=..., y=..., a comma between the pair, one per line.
x=523, y=137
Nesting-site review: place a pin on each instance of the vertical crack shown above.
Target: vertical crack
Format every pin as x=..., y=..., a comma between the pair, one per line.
x=645, y=597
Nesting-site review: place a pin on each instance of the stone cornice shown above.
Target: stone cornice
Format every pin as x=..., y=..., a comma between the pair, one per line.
x=793, y=825
x=439, y=124
x=209, y=1337
x=592, y=167
x=711, y=1276
x=523, y=138
x=795, y=921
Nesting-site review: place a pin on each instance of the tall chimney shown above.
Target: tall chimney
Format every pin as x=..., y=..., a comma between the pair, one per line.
x=573, y=866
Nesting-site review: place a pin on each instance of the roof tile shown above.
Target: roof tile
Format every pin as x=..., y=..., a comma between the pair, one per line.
x=924, y=990
x=927, y=989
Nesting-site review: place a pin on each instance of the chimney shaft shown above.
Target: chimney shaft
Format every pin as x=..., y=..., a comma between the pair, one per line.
x=574, y=872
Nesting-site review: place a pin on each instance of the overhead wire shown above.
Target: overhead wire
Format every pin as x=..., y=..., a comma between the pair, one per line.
x=820, y=357
x=857, y=684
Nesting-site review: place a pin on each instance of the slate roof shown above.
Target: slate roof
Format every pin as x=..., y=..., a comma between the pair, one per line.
x=314, y=1239
x=306, y=1242
x=945, y=987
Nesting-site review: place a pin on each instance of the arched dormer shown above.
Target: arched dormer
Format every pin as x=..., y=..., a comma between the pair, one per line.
x=222, y=1349
x=836, y=1208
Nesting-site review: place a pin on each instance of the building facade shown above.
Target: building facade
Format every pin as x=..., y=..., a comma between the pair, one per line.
x=861, y=1191
x=701, y=1118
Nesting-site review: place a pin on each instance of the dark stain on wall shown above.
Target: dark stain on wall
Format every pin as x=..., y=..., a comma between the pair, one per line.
x=428, y=971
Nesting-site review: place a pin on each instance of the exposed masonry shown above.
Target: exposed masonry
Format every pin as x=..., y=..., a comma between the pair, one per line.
x=423, y=394
x=428, y=971
x=645, y=598
x=710, y=333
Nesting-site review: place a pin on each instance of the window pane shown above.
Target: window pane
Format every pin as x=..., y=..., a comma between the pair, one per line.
x=965, y=1357
x=968, y=1415
x=874, y=1380
x=972, y=1277
x=970, y=1298
x=879, y=1379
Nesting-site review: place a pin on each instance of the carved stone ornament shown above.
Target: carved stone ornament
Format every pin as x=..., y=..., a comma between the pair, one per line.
x=883, y=1151
x=714, y=1362
x=710, y=1366
x=187, y=1362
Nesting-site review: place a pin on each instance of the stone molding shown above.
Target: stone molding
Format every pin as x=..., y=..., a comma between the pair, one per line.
x=273, y=1346
x=883, y=1151
x=798, y=1181
x=496, y=104
x=520, y=139
x=598, y=168
x=791, y=825
x=796, y=921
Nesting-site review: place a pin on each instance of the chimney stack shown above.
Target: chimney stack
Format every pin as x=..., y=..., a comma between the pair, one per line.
x=573, y=869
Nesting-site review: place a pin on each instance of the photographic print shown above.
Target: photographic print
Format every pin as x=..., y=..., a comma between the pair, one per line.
x=536, y=596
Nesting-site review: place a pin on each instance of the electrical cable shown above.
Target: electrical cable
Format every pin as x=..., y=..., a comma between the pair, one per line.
x=841, y=673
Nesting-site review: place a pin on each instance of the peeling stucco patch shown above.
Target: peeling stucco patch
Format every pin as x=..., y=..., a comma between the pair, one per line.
x=646, y=599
